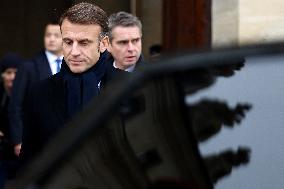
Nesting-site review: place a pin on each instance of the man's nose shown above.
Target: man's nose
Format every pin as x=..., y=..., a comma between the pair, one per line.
x=130, y=46
x=75, y=50
x=52, y=37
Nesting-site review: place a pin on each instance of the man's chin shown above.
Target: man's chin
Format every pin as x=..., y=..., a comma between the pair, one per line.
x=76, y=69
x=52, y=50
x=130, y=62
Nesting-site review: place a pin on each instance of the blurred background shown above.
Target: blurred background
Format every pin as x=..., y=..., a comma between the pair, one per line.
x=174, y=25
x=194, y=25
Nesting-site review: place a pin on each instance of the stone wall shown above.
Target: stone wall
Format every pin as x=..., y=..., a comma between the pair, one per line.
x=225, y=22
x=261, y=21
x=240, y=22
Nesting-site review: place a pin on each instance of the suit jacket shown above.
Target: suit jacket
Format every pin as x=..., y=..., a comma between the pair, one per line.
x=29, y=72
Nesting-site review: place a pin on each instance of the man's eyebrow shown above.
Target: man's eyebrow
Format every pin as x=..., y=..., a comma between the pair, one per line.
x=123, y=40
x=66, y=38
x=136, y=38
x=80, y=40
x=85, y=40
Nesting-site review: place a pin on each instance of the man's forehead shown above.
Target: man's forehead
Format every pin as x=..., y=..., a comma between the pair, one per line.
x=80, y=31
x=126, y=33
x=68, y=26
x=52, y=28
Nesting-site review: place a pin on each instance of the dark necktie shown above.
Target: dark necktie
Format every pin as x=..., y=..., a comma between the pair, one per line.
x=58, y=63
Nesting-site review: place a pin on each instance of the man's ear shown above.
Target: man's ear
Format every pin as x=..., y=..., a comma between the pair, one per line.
x=104, y=43
x=108, y=44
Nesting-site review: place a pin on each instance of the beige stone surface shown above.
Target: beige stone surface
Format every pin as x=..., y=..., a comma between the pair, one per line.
x=225, y=22
x=240, y=22
x=261, y=21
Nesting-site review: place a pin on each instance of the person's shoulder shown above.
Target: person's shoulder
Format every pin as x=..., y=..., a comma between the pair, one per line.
x=48, y=83
x=27, y=63
x=39, y=57
x=26, y=66
x=30, y=62
x=39, y=54
x=140, y=61
x=52, y=81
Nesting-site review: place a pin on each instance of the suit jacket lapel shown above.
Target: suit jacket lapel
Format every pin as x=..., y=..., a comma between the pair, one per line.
x=43, y=66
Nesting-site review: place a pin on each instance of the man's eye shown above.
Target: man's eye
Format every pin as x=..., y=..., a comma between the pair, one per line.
x=123, y=42
x=84, y=43
x=68, y=42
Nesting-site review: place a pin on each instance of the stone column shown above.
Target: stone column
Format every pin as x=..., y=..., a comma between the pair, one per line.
x=225, y=22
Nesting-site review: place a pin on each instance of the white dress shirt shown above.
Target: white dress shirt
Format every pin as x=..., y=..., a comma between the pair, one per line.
x=129, y=69
x=52, y=61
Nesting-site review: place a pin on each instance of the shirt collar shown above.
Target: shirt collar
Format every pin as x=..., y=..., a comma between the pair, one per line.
x=52, y=57
x=129, y=69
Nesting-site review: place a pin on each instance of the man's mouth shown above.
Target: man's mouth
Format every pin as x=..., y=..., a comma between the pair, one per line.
x=130, y=57
x=75, y=62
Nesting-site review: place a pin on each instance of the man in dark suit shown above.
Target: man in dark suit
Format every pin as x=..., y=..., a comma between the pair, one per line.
x=53, y=101
x=125, y=35
x=43, y=65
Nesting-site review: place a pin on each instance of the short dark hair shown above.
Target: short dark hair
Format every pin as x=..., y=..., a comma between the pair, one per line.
x=123, y=19
x=86, y=13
